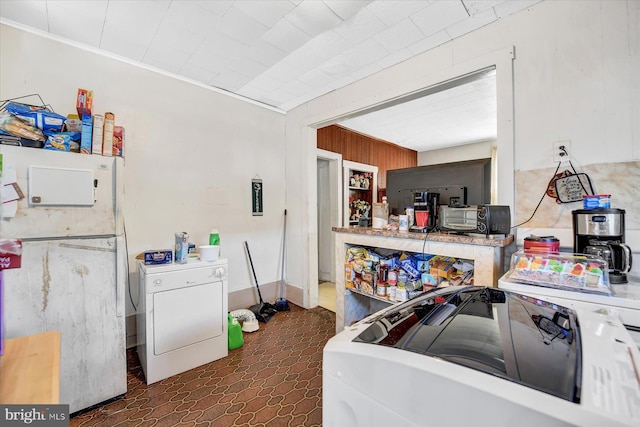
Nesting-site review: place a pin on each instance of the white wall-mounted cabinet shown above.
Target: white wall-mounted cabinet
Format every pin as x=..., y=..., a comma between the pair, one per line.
x=360, y=184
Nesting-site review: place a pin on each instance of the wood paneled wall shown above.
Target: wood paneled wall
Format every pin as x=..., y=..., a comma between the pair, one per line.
x=360, y=148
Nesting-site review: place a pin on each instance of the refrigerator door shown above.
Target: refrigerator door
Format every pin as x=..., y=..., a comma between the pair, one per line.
x=73, y=286
x=27, y=218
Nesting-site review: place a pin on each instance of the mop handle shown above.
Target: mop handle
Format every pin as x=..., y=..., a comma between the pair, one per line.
x=284, y=242
x=246, y=245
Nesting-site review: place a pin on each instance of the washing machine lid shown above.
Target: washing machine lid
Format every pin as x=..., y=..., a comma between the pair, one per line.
x=513, y=336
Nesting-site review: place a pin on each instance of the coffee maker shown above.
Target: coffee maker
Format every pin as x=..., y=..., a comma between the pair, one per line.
x=600, y=232
x=425, y=202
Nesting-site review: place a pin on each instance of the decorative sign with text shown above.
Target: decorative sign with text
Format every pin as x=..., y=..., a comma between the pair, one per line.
x=256, y=196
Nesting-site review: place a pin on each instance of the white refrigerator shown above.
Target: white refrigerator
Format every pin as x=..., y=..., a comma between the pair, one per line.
x=73, y=272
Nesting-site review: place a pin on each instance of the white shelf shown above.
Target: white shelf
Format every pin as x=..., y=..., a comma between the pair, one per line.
x=349, y=169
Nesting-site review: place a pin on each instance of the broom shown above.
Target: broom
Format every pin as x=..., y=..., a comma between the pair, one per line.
x=281, y=303
x=263, y=310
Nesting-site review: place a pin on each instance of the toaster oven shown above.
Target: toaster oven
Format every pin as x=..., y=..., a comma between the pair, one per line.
x=482, y=219
x=459, y=219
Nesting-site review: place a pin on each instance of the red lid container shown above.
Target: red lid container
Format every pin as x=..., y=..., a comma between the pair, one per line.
x=541, y=244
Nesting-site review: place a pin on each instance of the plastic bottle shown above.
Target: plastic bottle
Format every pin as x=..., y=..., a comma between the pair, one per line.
x=235, y=333
x=214, y=237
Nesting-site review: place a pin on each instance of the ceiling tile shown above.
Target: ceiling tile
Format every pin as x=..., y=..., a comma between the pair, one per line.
x=176, y=38
x=208, y=61
x=217, y=7
x=166, y=58
x=363, y=72
x=191, y=16
x=265, y=53
x=313, y=17
x=361, y=26
x=476, y=21
x=315, y=78
x=295, y=88
x=196, y=73
x=365, y=53
x=346, y=8
x=286, y=36
x=246, y=66
x=266, y=83
x=401, y=35
x=337, y=67
x=317, y=51
x=476, y=6
x=230, y=80
x=439, y=15
x=266, y=12
x=252, y=92
x=222, y=45
x=237, y=24
x=87, y=17
x=430, y=42
x=391, y=12
x=395, y=58
x=27, y=12
x=130, y=26
x=506, y=8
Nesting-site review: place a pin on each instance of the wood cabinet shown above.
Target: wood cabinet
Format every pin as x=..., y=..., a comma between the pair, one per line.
x=30, y=370
x=360, y=184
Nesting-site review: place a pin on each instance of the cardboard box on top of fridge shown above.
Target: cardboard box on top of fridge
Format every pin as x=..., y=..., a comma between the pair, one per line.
x=84, y=102
x=118, y=141
x=73, y=123
x=10, y=253
x=85, y=137
x=98, y=131
x=107, y=136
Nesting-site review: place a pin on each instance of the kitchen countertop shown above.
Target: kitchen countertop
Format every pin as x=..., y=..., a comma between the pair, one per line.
x=498, y=240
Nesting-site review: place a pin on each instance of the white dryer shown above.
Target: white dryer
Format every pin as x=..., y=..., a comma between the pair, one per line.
x=182, y=320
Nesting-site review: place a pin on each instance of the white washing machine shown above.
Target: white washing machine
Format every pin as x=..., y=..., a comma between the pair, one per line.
x=624, y=300
x=469, y=356
x=182, y=318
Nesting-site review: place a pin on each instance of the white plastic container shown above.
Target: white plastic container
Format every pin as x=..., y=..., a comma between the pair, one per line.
x=209, y=253
x=404, y=223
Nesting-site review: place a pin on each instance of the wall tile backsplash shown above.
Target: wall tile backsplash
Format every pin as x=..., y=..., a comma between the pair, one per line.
x=621, y=180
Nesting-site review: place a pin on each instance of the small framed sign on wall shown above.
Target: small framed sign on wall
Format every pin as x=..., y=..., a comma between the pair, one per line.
x=256, y=196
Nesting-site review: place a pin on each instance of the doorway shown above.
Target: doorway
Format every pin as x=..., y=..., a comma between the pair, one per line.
x=329, y=214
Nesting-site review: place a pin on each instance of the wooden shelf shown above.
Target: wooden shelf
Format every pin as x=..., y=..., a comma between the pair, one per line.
x=30, y=370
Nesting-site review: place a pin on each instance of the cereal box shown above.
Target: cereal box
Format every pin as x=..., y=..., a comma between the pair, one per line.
x=84, y=102
x=107, y=137
x=86, y=135
x=118, y=141
x=98, y=131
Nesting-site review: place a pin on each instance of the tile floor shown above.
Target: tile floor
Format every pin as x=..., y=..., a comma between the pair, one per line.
x=274, y=379
x=327, y=295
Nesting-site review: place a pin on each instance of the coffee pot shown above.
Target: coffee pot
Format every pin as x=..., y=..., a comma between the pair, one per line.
x=600, y=232
x=617, y=255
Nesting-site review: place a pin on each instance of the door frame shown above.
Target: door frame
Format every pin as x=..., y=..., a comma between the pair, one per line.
x=335, y=194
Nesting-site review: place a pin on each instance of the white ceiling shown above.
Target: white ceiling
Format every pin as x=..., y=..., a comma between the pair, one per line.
x=284, y=53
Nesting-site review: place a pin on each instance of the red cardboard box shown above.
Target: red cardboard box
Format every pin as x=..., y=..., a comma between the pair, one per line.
x=84, y=102
x=10, y=253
